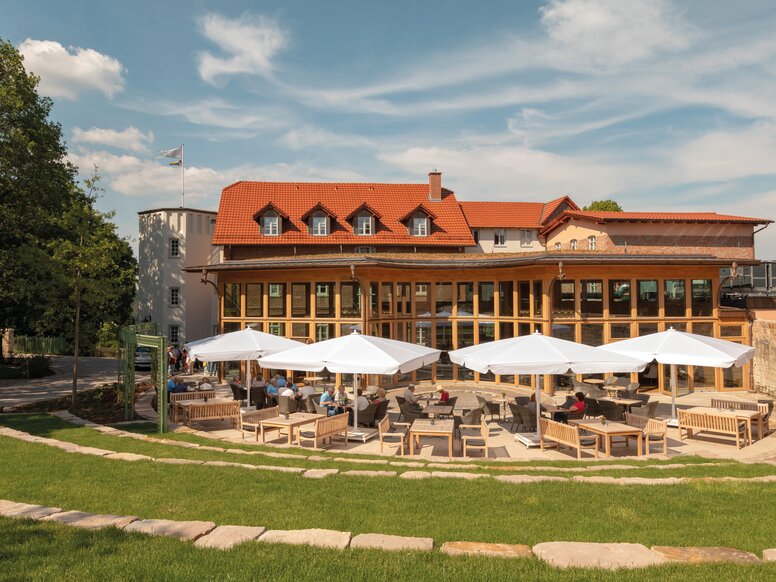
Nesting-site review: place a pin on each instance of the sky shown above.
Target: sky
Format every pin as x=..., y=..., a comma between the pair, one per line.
x=660, y=105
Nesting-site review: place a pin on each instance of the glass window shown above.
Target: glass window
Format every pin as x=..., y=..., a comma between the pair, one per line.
x=675, y=300
x=277, y=328
x=277, y=299
x=350, y=297
x=591, y=302
x=620, y=331
x=701, y=297
x=647, y=328
x=677, y=325
x=253, y=299
x=300, y=330
x=422, y=300
x=703, y=377
x=476, y=235
x=537, y=298
x=403, y=331
x=324, y=300
x=300, y=300
x=487, y=301
x=386, y=298
x=175, y=296
x=730, y=331
x=505, y=299
x=563, y=299
x=557, y=246
x=319, y=224
x=523, y=329
x=270, y=224
x=524, y=298
x=174, y=334
x=733, y=377
x=500, y=237
x=324, y=331
x=364, y=224
x=465, y=338
x=443, y=296
x=591, y=243
x=706, y=329
x=175, y=248
x=403, y=299
x=231, y=300
x=619, y=298
x=592, y=334
x=646, y=301
x=419, y=225
x=373, y=289
x=506, y=330
x=487, y=331
x=465, y=299
x=230, y=326
x=444, y=342
x=563, y=331
x=573, y=244
x=365, y=250
x=526, y=238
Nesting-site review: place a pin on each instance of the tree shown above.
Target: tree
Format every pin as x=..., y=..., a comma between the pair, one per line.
x=603, y=206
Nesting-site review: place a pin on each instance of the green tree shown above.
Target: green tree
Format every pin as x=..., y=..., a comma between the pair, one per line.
x=603, y=206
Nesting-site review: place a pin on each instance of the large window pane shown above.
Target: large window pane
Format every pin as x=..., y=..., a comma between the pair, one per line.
x=563, y=299
x=324, y=300
x=465, y=338
x=620, y=331
x=487, y=333
x=523, y=329
x=733, y=377
x=300, y=330
x=592, y=334
x=276, y=297
x=506, y=330
x=703, y=377
x=505, y=292
x=403, y=299
x=701, y=297
x=253, y=299
x=300, y=300
x=537, y=298
x=373, y=287
x=592, y=298
x=706, y=329
x=444, y=342
x=443, y=298
x=646, y=301
x=386, y=298
x=422, y=300
x=350, y=300
x=277, y=328
x=487, y=298
x=423, y=337
x=675, y=299
x=465, y=299
x=524, y=298
x=232, y=300
x=324, y=331
x=619, y=298
x=563, y=331
x=647, y=329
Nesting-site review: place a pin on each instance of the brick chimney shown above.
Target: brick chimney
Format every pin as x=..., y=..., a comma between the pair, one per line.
x=435, y=186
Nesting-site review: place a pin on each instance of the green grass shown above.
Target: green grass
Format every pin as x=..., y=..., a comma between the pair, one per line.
x=737, y=514
x=48, y=551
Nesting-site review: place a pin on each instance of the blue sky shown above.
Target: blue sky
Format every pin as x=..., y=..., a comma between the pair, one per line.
x=660, y=105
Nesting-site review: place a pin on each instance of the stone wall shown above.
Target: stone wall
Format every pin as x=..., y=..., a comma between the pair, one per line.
x=6, y=339
x=764, y=341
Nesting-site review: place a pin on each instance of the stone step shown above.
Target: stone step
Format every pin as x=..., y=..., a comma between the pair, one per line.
x=227, y=536
x=485, y=549
x=391, y=543
x=91, y=520
x=322, y=538
x=596, y=555
x=184, y=530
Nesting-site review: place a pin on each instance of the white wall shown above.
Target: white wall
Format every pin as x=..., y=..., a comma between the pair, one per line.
x=514, y=242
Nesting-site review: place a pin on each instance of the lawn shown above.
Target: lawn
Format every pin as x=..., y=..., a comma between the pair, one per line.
x=736, y=514
x=47, y=551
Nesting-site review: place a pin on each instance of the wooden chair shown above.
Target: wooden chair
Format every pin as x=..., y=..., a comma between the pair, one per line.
x=653, y=430
x=410, y=413
x=287, y=404
x=475, y=437
x=472, y=417
x=325, y=429
x=238, y=392
x=399, y=434
x=566, y=434
x=647, y=410
x=250, y=421
x=366, y=417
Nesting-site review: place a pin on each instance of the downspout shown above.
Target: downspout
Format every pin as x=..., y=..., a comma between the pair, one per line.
x=559, y=277
x=205, y=281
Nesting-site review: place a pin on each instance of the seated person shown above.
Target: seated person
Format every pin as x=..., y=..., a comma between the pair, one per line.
x=578, y=406
x=171, y=383
x=341, y=397
x=205, y=384
x=361, y=401
x=307, y=391
x=179, y=386
x=280, y=381
x=236, y=380
x=272, y=391
x=258, y=382
x=379, y=396
x=287, y=391
x=327, y=400
x=444, y=395
x=409, y=395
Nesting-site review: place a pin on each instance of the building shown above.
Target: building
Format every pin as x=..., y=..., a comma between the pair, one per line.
x=296, y=258
x=170, y=238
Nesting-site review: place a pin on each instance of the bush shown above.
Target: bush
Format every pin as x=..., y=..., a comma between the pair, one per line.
x=18, y=367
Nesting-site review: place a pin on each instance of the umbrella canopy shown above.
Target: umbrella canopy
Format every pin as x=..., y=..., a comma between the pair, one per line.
x=355, y=354
x=540, y=354
x=682, y=348
x=246, y=344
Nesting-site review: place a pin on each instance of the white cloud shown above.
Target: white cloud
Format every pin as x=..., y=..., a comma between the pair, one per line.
x=131, y=139
x=304, y=137
x=250, y=44
x=68, y=72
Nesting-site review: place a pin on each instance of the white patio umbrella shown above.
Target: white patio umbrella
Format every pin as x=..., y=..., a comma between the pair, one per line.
x=355, y=354
x=675, y=348
x=246, y=344
x=539, y=354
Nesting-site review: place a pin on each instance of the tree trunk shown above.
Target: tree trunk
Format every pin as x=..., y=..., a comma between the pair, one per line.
x=75, y=336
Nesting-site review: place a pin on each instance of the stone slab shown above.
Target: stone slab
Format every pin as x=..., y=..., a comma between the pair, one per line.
x=415, y=475
x=278, y=468
x=91, y=520
x=26, y=510
x=448, y=466
x=179, y=461
x=228, y=464
x=355, y=473
x=65, y=446
x=319, y=473
x=483, y=549
x=184, y=530
x=279, y=455
x=391, y=543
x=458, y=475
x=322, y=538
x=629, y=480
x=360, y=461
x=769, y=555
x=528, y=478
x=699, y=555
x=226, y=536
x=407, y=464
x=129, y=457
x=92, y=451
x=594, y=555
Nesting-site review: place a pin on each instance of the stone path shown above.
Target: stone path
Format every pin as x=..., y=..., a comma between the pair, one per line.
x=206, y=534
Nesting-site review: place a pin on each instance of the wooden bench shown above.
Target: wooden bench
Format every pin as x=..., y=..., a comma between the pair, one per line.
x=565, y=434
x=325, y=428
x=174, y=397
x=653, y=429
x=716, y=423
x=251, y=421
x=762, y=407
x=212, y=411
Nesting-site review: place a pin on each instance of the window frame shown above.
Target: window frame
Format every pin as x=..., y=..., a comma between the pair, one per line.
x=175, y=296
x=270, y=224
x=500, y=237
x=317, y=220
x=360, y=222
x=592, y=243
x=175, y=247
x=417, y=221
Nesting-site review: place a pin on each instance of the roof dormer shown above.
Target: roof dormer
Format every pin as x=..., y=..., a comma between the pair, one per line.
x=418, y=221
x=270, y=220
x=364, y=220
x=319, y=220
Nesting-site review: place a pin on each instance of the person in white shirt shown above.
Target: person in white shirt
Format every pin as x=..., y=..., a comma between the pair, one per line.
x=205, y=384
x=307, y=391
x=409, y=394
x=287, y=392
x=361, y=401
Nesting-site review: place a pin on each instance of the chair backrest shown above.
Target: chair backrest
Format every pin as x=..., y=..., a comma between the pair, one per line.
x=382, y=409
x=400, y=400
x=409, y=413
x=514, y=408
x=566, y=433
x=451, y=401
x=528, y=414
x=286, y=404
x=480, y=400
x=622, y=381
x=648, y=410
x=591, y=407
x=633, y=386
x=484, y=430
x=636, y=420
x=367, y=416
x=611, y=381
x=733, y=404
x=384, y=426
x=472, y=417
x=522, y=400
x=238, y=392
x=319, y=409
x=254, y=416
x=579, y=385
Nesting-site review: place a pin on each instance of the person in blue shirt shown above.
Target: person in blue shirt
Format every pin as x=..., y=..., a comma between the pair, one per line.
x=327, y=400
x=280, y=381
x=179, y=386
x=171, y=383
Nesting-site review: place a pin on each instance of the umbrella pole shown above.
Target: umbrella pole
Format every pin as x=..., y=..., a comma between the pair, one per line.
x=538, y=403
x=673, y=390
x=248, y=384
x=356, y=385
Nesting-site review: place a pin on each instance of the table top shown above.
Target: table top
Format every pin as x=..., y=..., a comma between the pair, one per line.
x=610, y=428
x=313, y=378
x=594, y=380
x=623, y=401
x=726, y=412
x=438, y=409
x=202, y=402
x=294, y=419
x=429, y=426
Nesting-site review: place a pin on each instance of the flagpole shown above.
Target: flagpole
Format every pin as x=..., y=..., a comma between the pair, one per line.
x=183, y=180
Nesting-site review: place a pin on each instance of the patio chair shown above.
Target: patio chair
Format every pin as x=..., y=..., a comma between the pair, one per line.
x=647, y=410
x=471, y=417
x=238, y=392
x=488, y=407
x=450, y=402
x=623, y=380
x=382, y=410
x=309, y=403
x=389, y=432
x=410, y=413
x=591, y=407
x=514, y=408
x=286, y=405
x=528, y=417
x=611, y=411
x=320, y=409
x=596, y=392
x=475, y=437
x=399, y=402
x=258, y=398
x=522, y=400
x=611, y=381
x=630, y=391
x=366, y=417
x=654, y=430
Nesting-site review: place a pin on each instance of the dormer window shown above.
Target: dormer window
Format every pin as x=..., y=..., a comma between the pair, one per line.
x=419, y=225
x=418, y=221
x=364, y=225
x=573, y=244
x=557, y=246
x=591, y=243
x=319, y=224
x=270, y=224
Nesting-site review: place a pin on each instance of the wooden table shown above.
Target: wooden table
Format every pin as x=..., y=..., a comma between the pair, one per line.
x=312, y=380
x=197, y=395
x=748, y=416
x=294, y=420
x=432, y=428
x=609, y=430
x=437, y=409
x=626, y=402
x=614, y=389
x=594, y=381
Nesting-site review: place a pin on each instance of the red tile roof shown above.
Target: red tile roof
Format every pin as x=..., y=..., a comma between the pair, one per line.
x=240, y=201
x=553, y=205
x=503, y=214
x=602, y=217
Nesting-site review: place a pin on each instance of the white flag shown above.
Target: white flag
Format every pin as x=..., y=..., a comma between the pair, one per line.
x=173, y=153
